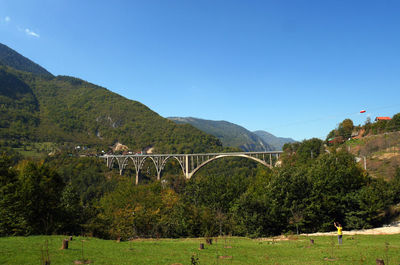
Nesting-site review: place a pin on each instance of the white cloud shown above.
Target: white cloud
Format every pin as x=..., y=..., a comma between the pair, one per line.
x=31, y=33
x=7, y=19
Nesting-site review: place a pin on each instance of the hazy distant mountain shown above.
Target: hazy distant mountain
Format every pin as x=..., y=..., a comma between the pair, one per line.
x=15, y=60
x=276, y=142
x=229, y=134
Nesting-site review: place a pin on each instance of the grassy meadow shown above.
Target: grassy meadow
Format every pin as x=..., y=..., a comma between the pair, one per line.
x=359, y=249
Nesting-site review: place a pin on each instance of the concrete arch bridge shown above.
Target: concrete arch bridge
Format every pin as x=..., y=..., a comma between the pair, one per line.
x=190, y=163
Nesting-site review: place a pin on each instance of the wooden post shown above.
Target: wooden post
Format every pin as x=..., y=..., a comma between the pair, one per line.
x=312, y=241
x=201, y=246
x=380, y=262
x=65, y=244
x=209, y=241
x=70, y=238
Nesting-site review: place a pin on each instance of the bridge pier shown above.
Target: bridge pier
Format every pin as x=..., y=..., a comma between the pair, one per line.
x=186, y=171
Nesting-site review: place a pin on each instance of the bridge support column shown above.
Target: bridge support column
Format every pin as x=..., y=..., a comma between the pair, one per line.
x=187, y=167
x=137, y=177
x=270, y=160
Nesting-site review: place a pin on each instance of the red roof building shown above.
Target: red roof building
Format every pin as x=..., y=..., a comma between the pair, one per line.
x=383, y=119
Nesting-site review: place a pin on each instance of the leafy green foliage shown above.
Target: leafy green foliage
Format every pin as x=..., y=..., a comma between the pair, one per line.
x=40, y=195
x=144, y=210
x=341, y=133
x=86, y=175
x=30, y=198
x=395, y=186
x=302, y=152
x=11, y=215
x=345, y=128
x=394, y=123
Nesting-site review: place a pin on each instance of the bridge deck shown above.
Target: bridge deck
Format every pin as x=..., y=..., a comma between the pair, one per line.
x=199, y=154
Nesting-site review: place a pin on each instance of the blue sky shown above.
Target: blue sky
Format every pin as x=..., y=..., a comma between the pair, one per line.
x=293, y=68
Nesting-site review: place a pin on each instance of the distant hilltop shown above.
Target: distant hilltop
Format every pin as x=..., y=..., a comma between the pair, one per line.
x=233, y=135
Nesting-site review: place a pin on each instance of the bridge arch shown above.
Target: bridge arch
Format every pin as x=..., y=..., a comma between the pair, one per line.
x=159, y=163
x=226, y=155
x=180, y=162
x=115, y=161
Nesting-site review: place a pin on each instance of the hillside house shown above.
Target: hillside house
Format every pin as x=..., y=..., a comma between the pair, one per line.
x=383, y=119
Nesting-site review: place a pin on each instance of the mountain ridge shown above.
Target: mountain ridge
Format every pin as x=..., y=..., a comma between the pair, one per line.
x=276, y=142
x=234, y=135
x=11, y=58
x=230, y=134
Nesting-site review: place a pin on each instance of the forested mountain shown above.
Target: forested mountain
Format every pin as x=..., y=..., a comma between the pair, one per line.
x=38, y=107
x=230, y=134
x=276, y=142
x=15, y=60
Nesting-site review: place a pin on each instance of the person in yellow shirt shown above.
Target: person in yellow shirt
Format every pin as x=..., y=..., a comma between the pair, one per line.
x=339, y=231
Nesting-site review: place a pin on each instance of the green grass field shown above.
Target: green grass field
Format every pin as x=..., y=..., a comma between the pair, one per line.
x=298, y=250
x=36, y=150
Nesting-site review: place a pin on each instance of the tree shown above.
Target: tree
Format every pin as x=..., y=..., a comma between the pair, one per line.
x=40, y=189
x=394, y=123
x=331, y=134
x=12, y=221
x=72, y=210
x=309, y=149
x=336, y=180
x=345, y=128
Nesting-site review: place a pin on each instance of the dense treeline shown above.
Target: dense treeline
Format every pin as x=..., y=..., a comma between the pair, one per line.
x=309, y=191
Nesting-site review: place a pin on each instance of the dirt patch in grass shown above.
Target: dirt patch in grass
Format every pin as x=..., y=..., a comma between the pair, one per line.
x=82, y=261
x=225, y=257
x=330, y=259
x=279, y=238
